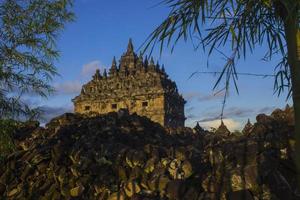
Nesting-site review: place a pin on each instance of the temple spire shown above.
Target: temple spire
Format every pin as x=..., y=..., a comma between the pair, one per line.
x=223, y=130
x=198, y=128
x=130, y=46
x=141, y=57
x=146, y=61
x=151, y=61
x=247, y=128
x=140, y=61
x=128, y=59
x=163, y=68
x=152, y=65
x=114, y=62
x=113, y=68
x=157, y=66
x=97, y=75
x=104, y=73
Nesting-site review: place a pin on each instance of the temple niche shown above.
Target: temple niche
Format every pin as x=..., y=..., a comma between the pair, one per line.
x=136, y=84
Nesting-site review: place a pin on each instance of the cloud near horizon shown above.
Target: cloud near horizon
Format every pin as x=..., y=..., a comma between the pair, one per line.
x=74, y=86
x=189, y=96
x=68, y=87
x=266, y=110
x=231, y=124
x=232, y=116
x=212, y=96
x=231, y=112
x=49, y=112
x=90, y=68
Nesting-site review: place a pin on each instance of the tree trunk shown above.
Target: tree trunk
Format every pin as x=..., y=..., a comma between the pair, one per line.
x=292, y=34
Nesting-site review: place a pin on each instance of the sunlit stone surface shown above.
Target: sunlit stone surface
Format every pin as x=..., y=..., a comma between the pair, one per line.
x=136, y=84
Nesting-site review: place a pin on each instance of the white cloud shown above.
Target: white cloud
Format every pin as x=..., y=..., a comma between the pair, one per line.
x=203, y=97
x=230, y=123
x=191, y=95
x=90, y=68
x=74, y=86
x=68, y=87
x=50, y=112
x=211, y=96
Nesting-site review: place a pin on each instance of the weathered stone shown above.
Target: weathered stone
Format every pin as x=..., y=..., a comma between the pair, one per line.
x=239, y=195
x=187, y=169
x=150, y=165
x=207, y=196
x=223, y=130
x=131, y=188
x=25, y=130
x=135, y=85
x=208, y=184
x=2, y=189
x=248, y=128
x=76, y=191
x=174, y=169
x=117, y=196
x=126, y=156
x=240, y=181
x=192, y=194
x=175, y=189
x=13, y=192
x=215, y=156
x=198, y=128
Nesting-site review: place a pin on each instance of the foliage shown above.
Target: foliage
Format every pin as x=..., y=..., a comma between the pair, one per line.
x=7, y=128
x=240, y=24
x=243, y=25
x=29, y=29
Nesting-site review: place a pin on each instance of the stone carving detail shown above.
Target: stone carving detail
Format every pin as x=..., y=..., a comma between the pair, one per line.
x=136, y=84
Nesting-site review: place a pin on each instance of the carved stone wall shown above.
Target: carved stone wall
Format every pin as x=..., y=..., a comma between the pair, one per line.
x=137, y=85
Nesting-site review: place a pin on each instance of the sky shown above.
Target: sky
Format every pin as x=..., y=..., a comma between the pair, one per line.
x=102, y=30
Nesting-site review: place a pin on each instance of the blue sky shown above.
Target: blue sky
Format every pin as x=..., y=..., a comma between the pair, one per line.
x=102, y=29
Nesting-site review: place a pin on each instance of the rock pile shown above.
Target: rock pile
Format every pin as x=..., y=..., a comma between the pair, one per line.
x=120, y=156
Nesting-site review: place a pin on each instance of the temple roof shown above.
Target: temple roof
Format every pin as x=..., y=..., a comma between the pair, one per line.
x=223, y=130
x=130, y=47
x=132, y=75
x=248, y=128
x=130, y=63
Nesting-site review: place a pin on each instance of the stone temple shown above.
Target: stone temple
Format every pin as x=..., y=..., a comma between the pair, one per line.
x=135, y=84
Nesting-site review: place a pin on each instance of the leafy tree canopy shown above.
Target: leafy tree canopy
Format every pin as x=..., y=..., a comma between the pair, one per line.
x=28, y=32
x=243, y=24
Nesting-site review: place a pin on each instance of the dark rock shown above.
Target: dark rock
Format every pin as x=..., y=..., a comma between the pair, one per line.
x=2, y=189
x=198, y=128
x=122, y=156
x=223, y=130
x=248, y=128
x=239, y=195
x=25, y=130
